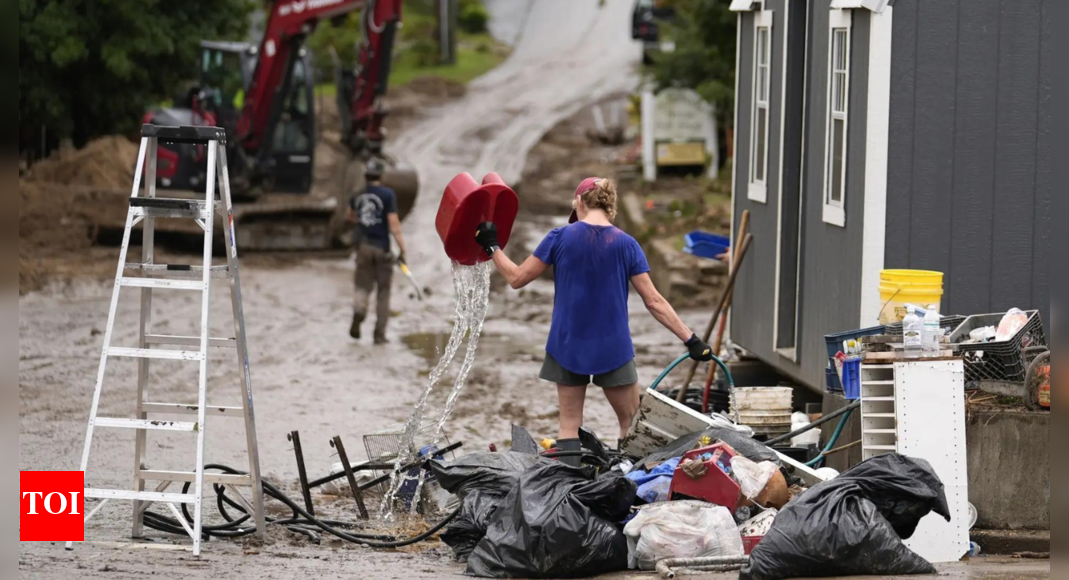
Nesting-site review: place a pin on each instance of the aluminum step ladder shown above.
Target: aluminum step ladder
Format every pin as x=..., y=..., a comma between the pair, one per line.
x=149, y=276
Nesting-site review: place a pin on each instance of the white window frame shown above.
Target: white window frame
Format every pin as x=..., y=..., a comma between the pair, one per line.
x=835, y=211
x=758, y=184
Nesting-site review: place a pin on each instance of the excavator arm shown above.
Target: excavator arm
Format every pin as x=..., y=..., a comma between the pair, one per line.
x=290, y=22
x=381, y=20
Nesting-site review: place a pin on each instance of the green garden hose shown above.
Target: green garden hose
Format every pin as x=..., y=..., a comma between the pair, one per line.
x=834, y=438
x=683, y=357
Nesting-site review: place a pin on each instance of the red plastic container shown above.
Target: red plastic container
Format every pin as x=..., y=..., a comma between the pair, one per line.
x=465, y=204
x=715, y=486
x=750, y=542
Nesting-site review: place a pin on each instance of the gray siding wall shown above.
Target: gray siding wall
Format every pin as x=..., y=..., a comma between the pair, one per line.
x=831, y=255
x=830, y=294
x=969, y=150
x=752, y=305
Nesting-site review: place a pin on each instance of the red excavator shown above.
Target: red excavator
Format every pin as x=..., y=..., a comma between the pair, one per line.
x=264, y=97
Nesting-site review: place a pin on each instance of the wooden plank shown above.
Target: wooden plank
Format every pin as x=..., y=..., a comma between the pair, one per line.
x=974, y=164
x=658, y=422
x=1015, y=178
x=933, y=150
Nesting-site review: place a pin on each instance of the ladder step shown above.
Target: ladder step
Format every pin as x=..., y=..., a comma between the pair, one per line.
x=91, y=493
x=183, y=409
x=146, y=424
x=166, y=203
x=190, y=355
x=189, y=476
x=178, y=270
x=189, y=340
x=160, y=207
x=163, y=283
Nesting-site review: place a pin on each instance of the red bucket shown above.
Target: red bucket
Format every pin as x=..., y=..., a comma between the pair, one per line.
x=467, y=203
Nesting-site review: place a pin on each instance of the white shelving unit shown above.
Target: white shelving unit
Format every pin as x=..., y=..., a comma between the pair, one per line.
x=917, y=409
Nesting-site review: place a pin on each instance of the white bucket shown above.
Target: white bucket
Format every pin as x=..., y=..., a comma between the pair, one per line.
x=766, y=409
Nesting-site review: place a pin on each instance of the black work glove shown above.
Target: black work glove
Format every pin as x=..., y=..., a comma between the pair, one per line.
x=401, y=258
x=699, y=349
x=486, y=236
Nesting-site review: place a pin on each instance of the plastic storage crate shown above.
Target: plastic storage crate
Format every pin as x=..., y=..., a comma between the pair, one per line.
x=950, y=323
x=1000, y=361
x=706, y=245
x=852, y=379
x=835, y=344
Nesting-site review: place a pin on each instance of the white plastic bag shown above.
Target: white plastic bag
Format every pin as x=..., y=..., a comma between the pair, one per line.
x=681, y=529
x=758, y=525
x=752, y=477
x=724, y=422
x=811, y=437
x=1011, y=323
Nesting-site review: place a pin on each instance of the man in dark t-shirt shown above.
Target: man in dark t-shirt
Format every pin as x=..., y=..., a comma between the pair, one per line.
x=374, y=213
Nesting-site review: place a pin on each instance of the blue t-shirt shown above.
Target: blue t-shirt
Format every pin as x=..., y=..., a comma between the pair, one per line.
x=592, y=267
x=371, y=208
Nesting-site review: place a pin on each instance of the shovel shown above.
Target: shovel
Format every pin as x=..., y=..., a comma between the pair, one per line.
x=408, y=274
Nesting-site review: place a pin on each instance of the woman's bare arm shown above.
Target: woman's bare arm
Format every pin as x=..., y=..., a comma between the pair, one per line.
x=659, y=307
x=521, y=275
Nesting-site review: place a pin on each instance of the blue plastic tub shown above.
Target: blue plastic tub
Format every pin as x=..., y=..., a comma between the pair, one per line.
x=852, y=379
x=831, y=377
x=835, y=344
x=705, y=244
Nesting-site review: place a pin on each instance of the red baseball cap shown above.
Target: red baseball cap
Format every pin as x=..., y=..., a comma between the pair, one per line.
x=588, y=184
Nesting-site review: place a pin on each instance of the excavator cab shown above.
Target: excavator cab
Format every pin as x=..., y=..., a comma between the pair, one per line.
x=294, y=137
x=226, y=70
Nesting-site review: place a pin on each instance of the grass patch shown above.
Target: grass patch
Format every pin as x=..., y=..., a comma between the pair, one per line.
x=477, y=54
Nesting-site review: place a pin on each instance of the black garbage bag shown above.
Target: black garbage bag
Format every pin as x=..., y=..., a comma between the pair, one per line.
x=481, y=480
x=558, y=522
x=853, y=525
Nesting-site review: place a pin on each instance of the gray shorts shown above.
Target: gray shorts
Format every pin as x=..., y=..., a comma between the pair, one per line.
x=621, y=377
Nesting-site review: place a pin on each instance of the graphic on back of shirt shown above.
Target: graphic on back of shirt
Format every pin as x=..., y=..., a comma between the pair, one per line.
x=368, y=209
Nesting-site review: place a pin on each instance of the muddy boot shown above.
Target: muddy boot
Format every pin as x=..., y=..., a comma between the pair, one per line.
x=570, y=445
x=354, y=328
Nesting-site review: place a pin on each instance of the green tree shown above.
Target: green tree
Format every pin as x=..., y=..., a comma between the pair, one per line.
x=343, y=38
x=91, y=67
x=704, y=55
x=473, y=18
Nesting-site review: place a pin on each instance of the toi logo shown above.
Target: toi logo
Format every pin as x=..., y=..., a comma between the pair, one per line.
x=52, y=506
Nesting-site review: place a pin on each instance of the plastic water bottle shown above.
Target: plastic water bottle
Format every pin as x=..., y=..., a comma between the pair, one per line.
x=932, y=331
x=913, y=333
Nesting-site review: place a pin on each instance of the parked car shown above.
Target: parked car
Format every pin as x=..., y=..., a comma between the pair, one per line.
x=644, y=25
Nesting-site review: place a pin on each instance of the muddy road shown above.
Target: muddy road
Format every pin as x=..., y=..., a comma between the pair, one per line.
x=307, y=373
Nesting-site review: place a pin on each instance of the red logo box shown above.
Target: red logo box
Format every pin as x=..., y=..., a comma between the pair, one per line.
x=52, y=506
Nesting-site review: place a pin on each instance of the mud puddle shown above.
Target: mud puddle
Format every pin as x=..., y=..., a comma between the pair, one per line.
x=430, y=345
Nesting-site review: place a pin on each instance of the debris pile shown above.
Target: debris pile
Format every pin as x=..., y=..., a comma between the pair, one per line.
x=696, y=502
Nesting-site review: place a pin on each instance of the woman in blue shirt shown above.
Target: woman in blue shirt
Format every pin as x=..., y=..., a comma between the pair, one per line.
x=589, y=339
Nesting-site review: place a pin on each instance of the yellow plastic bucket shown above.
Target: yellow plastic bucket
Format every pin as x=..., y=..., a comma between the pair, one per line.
x=901, y=287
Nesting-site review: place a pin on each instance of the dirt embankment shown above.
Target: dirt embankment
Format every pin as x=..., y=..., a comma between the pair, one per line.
x=62, y=201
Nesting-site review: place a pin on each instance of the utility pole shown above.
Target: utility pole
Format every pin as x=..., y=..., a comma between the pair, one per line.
x=447, y=30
